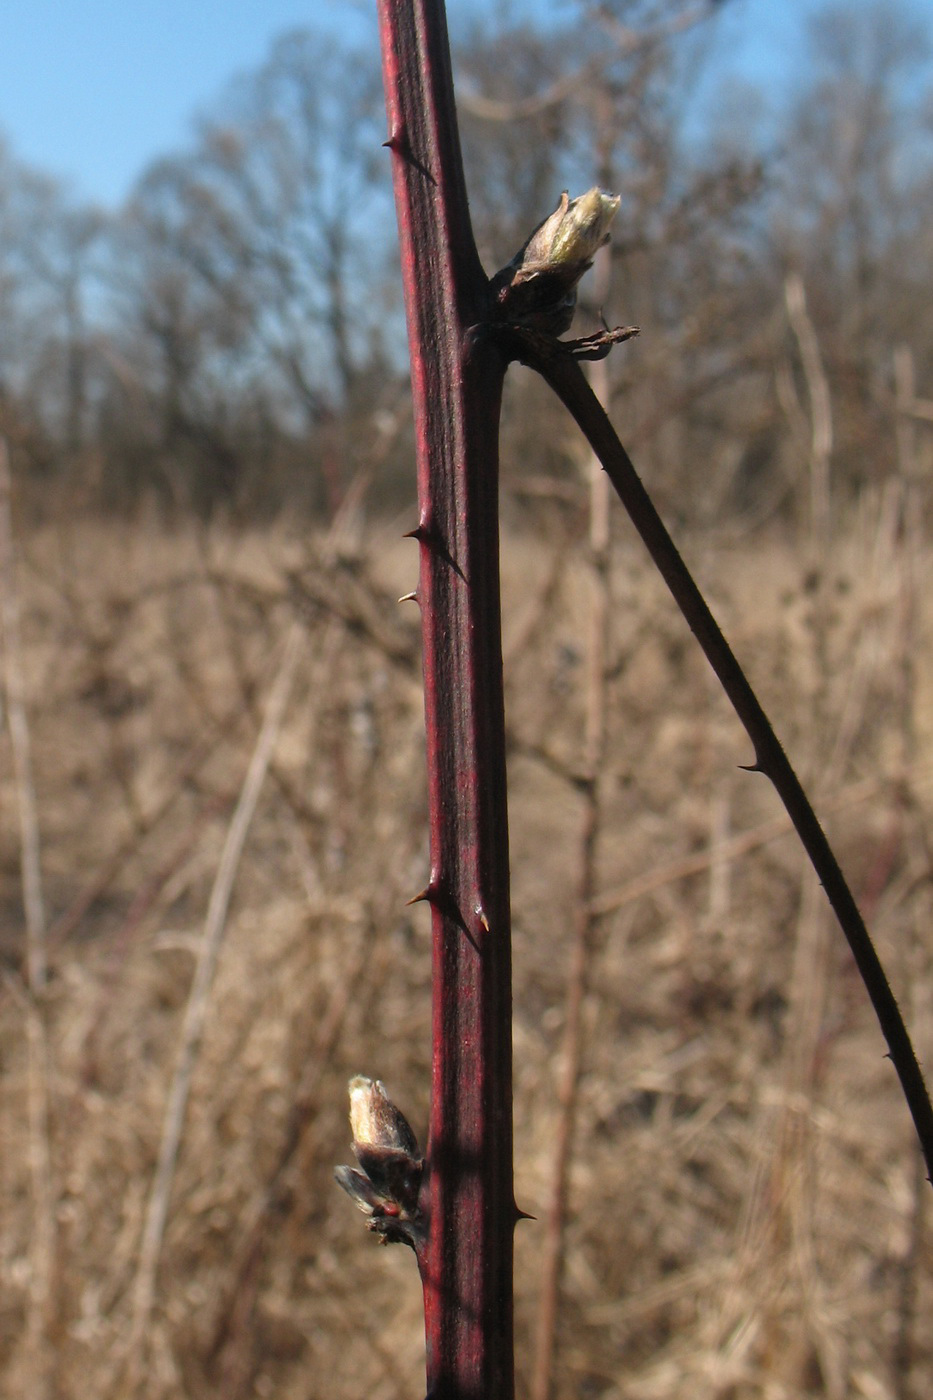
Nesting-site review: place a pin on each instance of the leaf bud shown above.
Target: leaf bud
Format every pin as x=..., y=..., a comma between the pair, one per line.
x=387, y=1186
x=538, y=288
x=374, y=1119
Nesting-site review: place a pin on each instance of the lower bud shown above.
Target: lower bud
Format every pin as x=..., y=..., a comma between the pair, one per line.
x=387, y=1186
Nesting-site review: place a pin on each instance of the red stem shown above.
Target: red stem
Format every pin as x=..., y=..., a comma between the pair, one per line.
x=466, y=1263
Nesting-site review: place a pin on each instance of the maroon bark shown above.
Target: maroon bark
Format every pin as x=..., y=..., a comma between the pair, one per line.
x=466, y=1262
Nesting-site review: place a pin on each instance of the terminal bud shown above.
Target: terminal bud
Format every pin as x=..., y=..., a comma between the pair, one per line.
x=538, y=288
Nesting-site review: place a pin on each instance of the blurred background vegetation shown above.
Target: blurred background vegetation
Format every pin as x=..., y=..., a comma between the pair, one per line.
x=212, y=769
x=231, y=339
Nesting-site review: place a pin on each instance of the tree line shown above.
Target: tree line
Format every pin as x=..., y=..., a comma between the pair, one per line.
x=232, y=337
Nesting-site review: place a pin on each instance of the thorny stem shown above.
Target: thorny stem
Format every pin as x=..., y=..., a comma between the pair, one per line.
x=461, y=343
x=559, y=368
x=466, y=1263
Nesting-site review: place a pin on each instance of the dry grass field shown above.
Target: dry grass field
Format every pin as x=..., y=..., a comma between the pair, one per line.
x=226, y=754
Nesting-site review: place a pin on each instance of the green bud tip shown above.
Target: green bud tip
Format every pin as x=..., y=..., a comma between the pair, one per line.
x=576, y=229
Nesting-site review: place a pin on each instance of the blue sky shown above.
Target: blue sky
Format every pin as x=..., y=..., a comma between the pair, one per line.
x=94, y=89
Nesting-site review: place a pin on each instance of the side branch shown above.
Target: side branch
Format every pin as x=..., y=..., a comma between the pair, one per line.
x=556, y=364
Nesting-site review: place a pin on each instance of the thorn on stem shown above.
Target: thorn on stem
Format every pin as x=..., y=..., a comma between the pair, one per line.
x=423, y=532
x=440, y=898
x=428, y=894
x=411, y=597
x=399, y=144
x=426, y=534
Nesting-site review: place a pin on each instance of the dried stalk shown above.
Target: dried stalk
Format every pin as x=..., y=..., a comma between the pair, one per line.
x=247, y=1255
x=196, y=1009
x=821, y=415
x=908, y=548
x=30, y=865
x=790, y=1202
x=586, y=917
x=35, y=961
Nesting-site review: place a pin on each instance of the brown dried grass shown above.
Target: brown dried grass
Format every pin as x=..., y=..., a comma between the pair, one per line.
x=744, y=1194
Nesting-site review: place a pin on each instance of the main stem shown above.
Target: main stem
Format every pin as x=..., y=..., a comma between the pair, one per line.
x=466, y=1262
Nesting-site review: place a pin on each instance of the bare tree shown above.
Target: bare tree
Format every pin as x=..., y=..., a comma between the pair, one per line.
x=49, y=265
x=258, y=257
